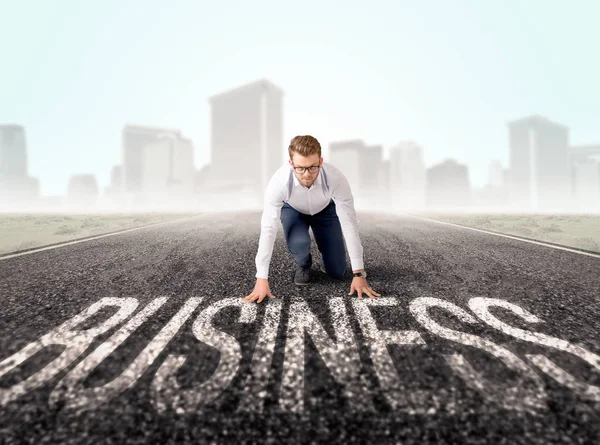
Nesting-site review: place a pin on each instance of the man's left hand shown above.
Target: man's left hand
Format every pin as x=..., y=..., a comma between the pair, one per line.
x=360, y=285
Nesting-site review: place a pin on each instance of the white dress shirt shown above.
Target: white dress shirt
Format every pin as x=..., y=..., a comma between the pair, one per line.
x=308, y=201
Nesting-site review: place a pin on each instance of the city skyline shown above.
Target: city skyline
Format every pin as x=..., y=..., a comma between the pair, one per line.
x=385, y=152
x=545, y=172
x=445, y=75
x=578, y=152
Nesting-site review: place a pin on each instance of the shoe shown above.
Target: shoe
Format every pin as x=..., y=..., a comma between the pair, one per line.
x=302, y=276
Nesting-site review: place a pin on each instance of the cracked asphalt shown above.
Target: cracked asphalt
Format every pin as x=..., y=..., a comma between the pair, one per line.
x=142, y=337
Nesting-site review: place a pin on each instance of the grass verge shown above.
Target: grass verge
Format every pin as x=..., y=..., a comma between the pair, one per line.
x=21, y=231
x=577, y=231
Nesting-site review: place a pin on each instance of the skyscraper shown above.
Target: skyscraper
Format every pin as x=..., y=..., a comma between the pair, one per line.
x=134, y=139
x=116, y=179
x=371, y=169
x=158, y=165
x=493, y=195
x=16, y=186
x=346, y=156
x=82, y=192
x=168, y=167
x=365, y=170
x=539, y=164
x=112, y=197
x=585, y=175
x=496, y=174
x=407, y=180
x=583, y=152
x=246, y=136
x=13, y=152
x=448, y=186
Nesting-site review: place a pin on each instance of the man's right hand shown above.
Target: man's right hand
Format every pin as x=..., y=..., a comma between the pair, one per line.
x=261, y=290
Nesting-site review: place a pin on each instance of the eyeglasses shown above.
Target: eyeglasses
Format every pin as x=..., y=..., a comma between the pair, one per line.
x=312, y=169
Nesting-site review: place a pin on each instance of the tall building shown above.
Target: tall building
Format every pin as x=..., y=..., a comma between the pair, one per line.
x=82, y=192
x=112, y=197
x=492, y=196
x=579, y=153
x=539, y=164
x=116, y=178
x=13, y=152
x=448, y=186
x=407, y=179
x=372, y=169
x=585, y=176
x=135, y=138
x=201, y=177
x=116, y=181
x=496, y=174
x=246, y=136
x=16, y=186
x=158, y=166
x=365, y=170
x=587, y=185
x=346, y=156
x=168, y=166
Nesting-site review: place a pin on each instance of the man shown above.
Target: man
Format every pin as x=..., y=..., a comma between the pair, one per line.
x=309, y=194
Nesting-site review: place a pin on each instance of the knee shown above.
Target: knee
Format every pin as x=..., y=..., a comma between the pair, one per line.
x=299, y=242
x=299, y=245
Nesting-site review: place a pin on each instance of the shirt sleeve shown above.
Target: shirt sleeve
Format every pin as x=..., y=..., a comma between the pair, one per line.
x=344, y=206
x=274, y=196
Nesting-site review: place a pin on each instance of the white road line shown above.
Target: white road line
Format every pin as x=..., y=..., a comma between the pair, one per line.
x=507, y=236
x=55, y=246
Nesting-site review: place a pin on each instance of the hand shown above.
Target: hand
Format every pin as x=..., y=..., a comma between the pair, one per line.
x=261, y=290
x=359, y=284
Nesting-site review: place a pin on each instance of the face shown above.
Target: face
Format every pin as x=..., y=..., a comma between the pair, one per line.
x=307, y=178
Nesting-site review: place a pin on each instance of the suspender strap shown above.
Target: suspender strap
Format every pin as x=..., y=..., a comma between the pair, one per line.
x=290, y=185
x=324, y=183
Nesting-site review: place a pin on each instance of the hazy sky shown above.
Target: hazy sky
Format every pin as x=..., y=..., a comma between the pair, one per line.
x=447, y=74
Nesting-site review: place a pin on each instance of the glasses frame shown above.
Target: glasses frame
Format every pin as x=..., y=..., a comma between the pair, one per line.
x=304, y=169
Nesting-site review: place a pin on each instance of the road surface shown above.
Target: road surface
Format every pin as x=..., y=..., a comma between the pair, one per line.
x=142, y=337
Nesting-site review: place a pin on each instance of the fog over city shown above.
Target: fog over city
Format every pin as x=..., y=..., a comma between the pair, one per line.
x=109, y=126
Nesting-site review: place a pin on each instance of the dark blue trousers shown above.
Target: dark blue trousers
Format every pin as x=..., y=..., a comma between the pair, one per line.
x=327, y=231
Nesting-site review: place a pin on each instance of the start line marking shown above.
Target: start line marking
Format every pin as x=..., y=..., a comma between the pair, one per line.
x=554, y=246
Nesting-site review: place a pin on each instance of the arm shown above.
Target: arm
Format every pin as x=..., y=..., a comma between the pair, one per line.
x=274, y=196
x=344, y=205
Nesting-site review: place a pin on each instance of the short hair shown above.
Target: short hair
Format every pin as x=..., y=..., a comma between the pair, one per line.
x=304, y=146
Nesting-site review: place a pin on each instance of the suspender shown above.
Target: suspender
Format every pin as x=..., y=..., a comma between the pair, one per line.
x=291, y=184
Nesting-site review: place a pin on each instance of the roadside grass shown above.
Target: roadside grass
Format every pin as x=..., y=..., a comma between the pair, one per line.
x=27, y=231
x=20, y=231
x=569, y=230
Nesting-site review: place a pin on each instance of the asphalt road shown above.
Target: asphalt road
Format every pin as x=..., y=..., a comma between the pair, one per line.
x=142, y=337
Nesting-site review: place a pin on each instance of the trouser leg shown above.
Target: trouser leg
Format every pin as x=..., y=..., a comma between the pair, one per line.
x=295, y=229
x=328, y=234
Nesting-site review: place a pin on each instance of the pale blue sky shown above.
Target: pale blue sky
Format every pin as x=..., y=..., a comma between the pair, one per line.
x=447, y=74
